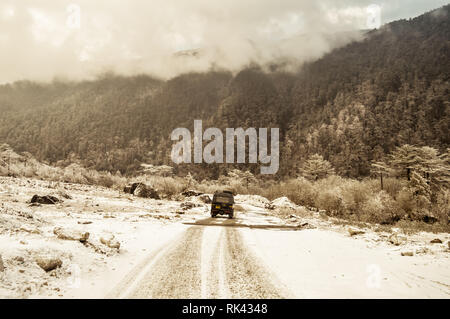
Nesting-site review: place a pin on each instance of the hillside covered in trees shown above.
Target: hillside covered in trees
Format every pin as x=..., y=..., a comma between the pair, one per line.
x=353, y=106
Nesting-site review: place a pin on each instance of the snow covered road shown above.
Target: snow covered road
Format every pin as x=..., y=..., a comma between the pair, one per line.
x=248, y=257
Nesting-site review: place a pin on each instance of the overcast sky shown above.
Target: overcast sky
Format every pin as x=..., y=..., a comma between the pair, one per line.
x=44, y=39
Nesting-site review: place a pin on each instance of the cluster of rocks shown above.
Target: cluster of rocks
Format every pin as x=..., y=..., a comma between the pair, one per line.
x=47, y=263
x=205, y=199
x=281, y=202
x=188, y=205
x=29, y=229
x=141, y=190
x=84, y=237
x=397, y=239
x=110, y=241
x=199, y=197
x=45, y=200
x=70, y=234
x=191, y=193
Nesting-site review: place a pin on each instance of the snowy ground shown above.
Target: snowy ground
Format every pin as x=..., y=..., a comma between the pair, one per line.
x=168, y=252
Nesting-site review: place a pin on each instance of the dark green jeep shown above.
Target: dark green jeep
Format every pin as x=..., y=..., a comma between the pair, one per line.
x=222, y=204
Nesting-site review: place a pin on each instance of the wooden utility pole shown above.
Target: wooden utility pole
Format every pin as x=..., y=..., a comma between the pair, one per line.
x=380, y=168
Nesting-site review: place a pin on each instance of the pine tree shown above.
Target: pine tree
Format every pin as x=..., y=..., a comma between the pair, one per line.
x=421, y=191
x=405, y=158
x=317, y=168
x=245, y=178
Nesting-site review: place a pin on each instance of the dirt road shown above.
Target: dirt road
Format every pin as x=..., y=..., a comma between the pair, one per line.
x=204, y=262
x=250, y=257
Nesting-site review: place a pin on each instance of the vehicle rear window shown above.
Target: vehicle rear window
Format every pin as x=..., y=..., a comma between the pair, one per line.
x=223, y=199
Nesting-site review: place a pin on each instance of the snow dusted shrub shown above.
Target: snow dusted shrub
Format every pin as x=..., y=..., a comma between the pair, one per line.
x=328, y=195
x=254, y=189
x=442, y=208
x=393, y=186
x=190, y=180
x=274, y=191
x=208, y=187
x=15, y=170
x=19, y=169
x=119, y=181
x=405, y=201
x=168, y=186
x=28, y=171
x=381, y=209
x=72, y=174
x=105, y=180
x=329, y=182
x=300, y=191
x=171, y=186
x=49, y=173
x=413, y=205
x=331, y=201
x=237, y=187
x=354, y=194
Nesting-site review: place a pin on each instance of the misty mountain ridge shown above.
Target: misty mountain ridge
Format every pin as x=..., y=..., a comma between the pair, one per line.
x=352, y=106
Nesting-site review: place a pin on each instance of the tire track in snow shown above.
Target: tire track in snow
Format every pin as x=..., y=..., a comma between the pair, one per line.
x=205, y=262
x=247, y=278
x=210, y=246
x=177, y=274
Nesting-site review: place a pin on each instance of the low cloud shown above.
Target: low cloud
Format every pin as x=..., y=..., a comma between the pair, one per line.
x=44, y=39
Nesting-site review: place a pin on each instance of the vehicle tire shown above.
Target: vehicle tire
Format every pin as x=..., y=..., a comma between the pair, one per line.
x=230, y=216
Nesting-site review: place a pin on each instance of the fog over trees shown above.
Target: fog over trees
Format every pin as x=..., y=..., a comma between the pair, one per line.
x=352, y=107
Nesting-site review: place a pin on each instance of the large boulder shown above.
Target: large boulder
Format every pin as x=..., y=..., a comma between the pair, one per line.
x=110, y=241
x=146, y=191
x=129, y=189
x=70, y=234
x=429, y=219
x=141, y=190
x=46, y=200
x=48, y=263
x=134, y=186
x=354, y=231
x=407, y=253
x=397, y=239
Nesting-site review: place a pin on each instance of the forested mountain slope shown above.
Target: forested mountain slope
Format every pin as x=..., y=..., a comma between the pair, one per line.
x=352, y=106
